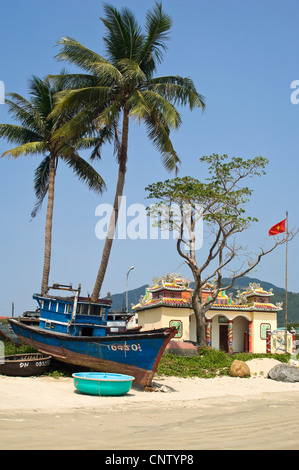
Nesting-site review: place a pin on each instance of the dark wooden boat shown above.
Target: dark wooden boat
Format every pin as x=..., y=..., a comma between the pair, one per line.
x=24, y=365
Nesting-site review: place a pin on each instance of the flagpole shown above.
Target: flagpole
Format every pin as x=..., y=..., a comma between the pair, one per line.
x=286, y=284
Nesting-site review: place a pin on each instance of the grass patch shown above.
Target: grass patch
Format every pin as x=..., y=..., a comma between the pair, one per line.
x=10, y=349
x=209, y=363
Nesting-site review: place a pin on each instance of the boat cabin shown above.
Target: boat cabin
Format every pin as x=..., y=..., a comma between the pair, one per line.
x=78, y=316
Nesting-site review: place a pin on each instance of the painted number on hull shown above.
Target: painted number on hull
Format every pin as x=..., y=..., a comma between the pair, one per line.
x=125, y=347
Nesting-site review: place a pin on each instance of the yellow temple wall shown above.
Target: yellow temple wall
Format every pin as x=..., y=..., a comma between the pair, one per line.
x=261, y=320
x=163, y=317
x=150, y=319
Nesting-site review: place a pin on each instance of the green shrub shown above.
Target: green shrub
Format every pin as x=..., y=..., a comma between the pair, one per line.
x=11, y=349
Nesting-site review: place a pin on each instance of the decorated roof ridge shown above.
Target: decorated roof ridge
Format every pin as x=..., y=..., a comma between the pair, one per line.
x=175, y=282
x=170, y=288
x=255, y=288
x=180, y=302
x=208, y=287
x=164, y=301
x=253, y=306
x=170, y=281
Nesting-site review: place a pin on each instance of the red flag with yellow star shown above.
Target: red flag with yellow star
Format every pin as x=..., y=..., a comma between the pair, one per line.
x=278, y=228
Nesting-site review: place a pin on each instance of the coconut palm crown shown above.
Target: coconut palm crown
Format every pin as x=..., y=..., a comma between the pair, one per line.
x=122, y=86
x=36, y=136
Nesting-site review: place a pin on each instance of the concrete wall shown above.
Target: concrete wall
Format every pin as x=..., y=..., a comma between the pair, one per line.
x=260, y=322
x=162, y=317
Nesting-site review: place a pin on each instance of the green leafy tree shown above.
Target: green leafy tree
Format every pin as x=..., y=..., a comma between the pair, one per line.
x=36, y=135
x=123, y=86
x=220, y=203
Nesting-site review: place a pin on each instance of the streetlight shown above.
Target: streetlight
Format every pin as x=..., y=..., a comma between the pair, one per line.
x=132, y=267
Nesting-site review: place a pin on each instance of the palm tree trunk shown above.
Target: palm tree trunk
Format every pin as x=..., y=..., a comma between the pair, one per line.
x=48, y=230
x=122, y=160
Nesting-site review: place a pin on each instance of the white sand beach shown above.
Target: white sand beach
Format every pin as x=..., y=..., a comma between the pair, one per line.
x=220, y=413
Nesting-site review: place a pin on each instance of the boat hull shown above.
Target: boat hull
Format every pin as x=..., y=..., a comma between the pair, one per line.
x=132, y=353
x=25, y=365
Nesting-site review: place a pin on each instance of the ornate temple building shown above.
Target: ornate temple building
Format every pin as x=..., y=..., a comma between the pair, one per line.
x=232, y=325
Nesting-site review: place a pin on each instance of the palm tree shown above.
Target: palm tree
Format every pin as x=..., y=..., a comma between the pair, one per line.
x=36, y=136
x=121, y=87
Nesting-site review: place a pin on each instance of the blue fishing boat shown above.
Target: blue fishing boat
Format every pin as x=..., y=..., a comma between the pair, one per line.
x=79, y=331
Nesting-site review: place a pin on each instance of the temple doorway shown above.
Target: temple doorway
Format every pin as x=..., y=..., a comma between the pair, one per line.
x=223, y=338
x=229, y=335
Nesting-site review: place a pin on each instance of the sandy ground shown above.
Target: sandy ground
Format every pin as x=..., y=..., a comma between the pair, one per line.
x=190, y=414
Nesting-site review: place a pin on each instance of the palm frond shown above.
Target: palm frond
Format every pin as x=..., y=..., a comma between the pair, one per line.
x=41, y=184
x=41, y=96
x=83, y=170
x=106, y=135
x=107, y=74
x=131, y=70
x=74, y=100
x=109, y=115
x=124, y=38
x=81, y=124
x=159, y=134
x=178, y=90
x=158, y=25
x=74, y=52
x=26, y=149
x=72, y=81
x=169, y=114
x=18, y=134
x=24, y=112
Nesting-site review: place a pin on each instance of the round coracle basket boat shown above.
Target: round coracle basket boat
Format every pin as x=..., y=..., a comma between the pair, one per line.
x=102, y=383
x=24, y=365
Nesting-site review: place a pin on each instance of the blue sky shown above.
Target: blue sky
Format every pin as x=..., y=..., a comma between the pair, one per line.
x=241, y=55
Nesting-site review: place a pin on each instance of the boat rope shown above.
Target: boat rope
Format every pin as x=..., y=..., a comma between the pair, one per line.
x=70, y=323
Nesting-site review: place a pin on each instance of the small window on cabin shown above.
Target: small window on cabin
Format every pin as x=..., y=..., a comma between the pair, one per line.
x=95, y=310
x=46, y=305
x=69, y=308
x=53, y=306
x=84, y=309
x=60, y=307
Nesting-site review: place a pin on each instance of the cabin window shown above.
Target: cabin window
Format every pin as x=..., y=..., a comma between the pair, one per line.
x=69, y=308
x=84, y=309
x=95, y=310
x=60, y=307
x=49, y=325
x=46, y=305
x=53, y=306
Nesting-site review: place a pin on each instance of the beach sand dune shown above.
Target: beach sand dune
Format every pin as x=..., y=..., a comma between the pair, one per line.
x=220, y=413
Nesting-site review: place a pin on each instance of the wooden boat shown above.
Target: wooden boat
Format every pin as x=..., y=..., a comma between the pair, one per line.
x=78, y=331
x=24, y=365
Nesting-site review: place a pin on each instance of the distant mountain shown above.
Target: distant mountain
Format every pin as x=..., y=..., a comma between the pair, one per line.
x=119, y=300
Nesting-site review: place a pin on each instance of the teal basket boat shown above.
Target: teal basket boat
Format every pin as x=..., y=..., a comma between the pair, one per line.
x=102, y=384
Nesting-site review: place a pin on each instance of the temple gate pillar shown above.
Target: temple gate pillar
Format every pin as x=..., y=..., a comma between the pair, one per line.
x=250, y=338
x=208, y=333
x=230, y=336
